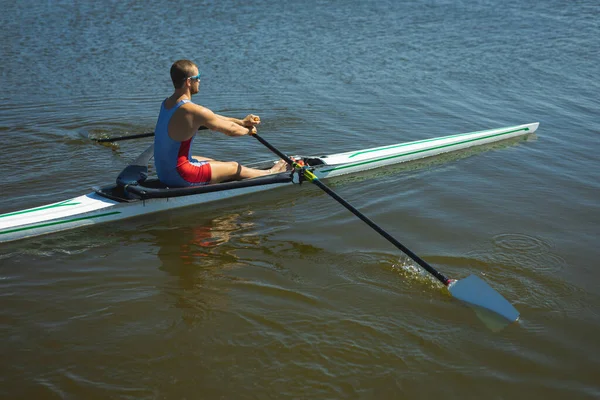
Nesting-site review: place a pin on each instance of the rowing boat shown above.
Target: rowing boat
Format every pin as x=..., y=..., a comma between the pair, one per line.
x=136, y=194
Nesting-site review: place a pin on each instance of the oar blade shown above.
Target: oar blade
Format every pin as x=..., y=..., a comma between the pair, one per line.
x=475, y=291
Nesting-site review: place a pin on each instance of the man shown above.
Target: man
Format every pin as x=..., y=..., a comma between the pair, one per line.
x=177, y=124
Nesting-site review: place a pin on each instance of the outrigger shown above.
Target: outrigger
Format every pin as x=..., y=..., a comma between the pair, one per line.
x=135, y=194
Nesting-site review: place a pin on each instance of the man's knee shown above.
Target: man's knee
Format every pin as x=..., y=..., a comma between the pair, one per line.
x=230, y=169
x=233, y=168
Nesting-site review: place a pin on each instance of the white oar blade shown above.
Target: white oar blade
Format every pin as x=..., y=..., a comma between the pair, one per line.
x=474, y=290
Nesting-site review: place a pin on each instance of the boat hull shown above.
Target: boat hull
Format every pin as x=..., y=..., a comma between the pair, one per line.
x=94, y=208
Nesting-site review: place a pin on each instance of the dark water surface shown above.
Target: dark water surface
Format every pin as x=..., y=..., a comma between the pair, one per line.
x=286, y=294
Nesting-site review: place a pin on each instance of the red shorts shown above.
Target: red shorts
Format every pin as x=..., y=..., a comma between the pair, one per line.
x=195, y=173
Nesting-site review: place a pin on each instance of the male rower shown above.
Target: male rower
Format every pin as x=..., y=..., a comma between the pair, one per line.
x=177, y=124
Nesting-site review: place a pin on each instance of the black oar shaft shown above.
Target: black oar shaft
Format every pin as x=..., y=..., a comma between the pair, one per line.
x=274, y=150
x=118, y=139
x=138, y=136
x=382, y=232
x=438, y=275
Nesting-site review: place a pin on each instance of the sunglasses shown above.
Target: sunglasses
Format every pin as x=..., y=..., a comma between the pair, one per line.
x=196, y=77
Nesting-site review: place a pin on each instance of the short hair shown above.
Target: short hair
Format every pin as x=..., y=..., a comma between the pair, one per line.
x=180, y=71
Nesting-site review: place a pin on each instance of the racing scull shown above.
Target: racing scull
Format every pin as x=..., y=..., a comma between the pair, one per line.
x=135, y=194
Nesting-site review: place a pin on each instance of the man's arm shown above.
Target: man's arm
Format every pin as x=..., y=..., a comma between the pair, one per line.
x=249, y=121
x=234, y=120
x=229, y=126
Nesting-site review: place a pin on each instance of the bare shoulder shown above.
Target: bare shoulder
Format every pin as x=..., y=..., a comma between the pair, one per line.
x=187, y=119
x=200, y=115
x=196, y=109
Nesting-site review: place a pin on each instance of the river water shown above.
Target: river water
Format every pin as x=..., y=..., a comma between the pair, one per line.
x=286, y=294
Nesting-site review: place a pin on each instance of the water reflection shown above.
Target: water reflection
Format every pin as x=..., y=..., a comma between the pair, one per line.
x=199, y=255
x=235, y=258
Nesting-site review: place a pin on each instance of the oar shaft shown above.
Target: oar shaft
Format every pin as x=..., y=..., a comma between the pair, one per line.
x=382, y=232
x=138, y=136
x=310, y=176
x=118, y=139
x=273, y=149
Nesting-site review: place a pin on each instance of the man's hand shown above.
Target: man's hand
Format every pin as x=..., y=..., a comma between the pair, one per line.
x=251, y=121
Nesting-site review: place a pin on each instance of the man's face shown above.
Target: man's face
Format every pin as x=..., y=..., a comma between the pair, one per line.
x=195, y=83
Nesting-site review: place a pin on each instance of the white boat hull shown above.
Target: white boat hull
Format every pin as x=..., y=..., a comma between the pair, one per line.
x=95, y=209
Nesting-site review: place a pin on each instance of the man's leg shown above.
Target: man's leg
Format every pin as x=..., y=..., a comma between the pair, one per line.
x=231, y=170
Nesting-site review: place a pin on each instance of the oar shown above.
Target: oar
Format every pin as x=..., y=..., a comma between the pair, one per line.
x=472, y=289
x=138, y=136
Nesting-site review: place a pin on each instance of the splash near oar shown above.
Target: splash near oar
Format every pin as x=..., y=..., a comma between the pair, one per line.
x=471, y=290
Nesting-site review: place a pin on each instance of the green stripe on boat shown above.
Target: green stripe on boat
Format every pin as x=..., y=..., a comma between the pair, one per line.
x=436, y=139
x=61, y=204
x=58, y=222
x=414, y=152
